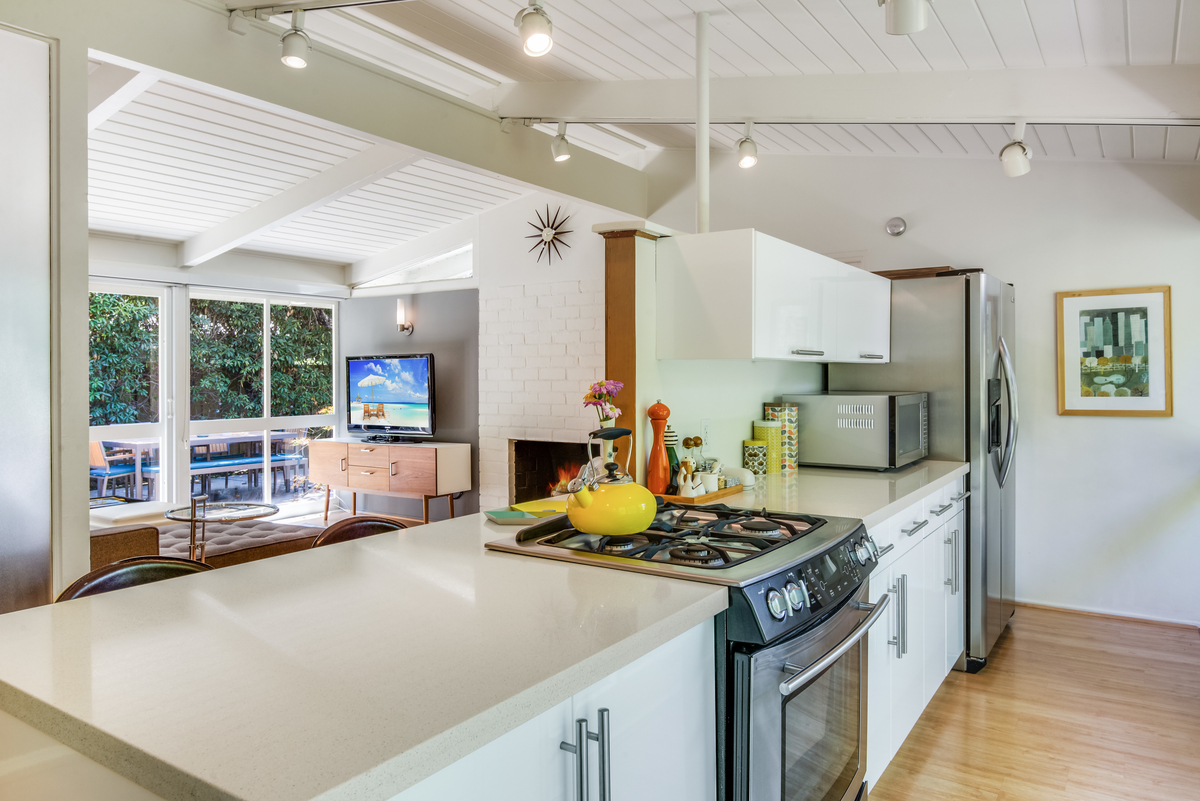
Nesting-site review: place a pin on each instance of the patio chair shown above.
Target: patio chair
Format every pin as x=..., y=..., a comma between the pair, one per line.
x=130, y=573
x=110, y=465
x=353, y=528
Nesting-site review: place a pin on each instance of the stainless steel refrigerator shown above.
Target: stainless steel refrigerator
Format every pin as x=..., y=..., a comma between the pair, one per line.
x=953, y=336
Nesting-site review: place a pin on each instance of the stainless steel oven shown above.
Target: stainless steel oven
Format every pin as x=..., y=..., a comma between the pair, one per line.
x=799, y=710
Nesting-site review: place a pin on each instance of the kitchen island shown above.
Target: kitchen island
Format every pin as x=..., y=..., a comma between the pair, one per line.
x=359, y=670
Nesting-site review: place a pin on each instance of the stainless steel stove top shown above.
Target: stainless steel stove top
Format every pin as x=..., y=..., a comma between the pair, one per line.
x=714, y=544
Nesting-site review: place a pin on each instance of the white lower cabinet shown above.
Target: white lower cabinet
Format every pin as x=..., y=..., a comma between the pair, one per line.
x=912, y=652
x=661, y=734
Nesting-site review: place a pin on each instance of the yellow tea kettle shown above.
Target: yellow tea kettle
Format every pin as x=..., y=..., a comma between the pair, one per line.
x=611, y=505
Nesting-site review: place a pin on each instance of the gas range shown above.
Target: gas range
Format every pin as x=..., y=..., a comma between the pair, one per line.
x=784, y=570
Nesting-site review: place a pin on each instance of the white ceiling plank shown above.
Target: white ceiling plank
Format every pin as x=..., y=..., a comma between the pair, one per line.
x=1152, y=31
x=194, y=158
x=966, y=27
x=821, y=138
x=945, y=141
x=996, y=136
x=1182, y=144
x=184, y=180
x=1102, y=28
x=111, y=88
x=937, y=47
x=719, y=42
x=1117, y=141
x=338, y=180
x=1034, y=141
x=1055, y=141
x=844, y=138
x=969, y=138
x=917, y=137
x=1149, y=142
x=796, y=139
x=809, y=33
x=848, y=32
x=1012, y=30
x=1188, y=36
x=900, y=50
x=644, y=59
x=119, y=182
x=413, y=251
x=762, y=38
x=1085, y=141
x=1057, y=30
x=897, y=143
x=873, y=141
x=681, y=38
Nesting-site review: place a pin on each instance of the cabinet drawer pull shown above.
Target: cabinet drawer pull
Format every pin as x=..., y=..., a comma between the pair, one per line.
x=958, y=498
x=870, y=355
x=367, y=473
x=343, y=467
x=942, y=510
x=802, y=352
x=367, y=450
x=392, y=469
x=917, y=527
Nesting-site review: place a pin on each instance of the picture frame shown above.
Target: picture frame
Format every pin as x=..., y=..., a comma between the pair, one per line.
x=1114, y=352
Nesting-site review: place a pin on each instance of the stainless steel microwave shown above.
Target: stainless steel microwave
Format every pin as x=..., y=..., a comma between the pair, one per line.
x=862, y=429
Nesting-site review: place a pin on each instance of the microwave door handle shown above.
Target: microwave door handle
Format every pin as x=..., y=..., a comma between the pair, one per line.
x=793, y=683
x=1010, y=386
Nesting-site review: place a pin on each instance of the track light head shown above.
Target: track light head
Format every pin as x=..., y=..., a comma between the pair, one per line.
x=537, y=32
x=295, y=43
x=1015, y=158
x=903, y=17
x=747, y=150
x=559, y=148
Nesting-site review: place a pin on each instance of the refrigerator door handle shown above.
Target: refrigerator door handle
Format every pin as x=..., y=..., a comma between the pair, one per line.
x=1010, y=388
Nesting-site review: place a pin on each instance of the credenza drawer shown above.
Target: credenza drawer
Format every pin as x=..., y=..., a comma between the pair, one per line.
x=374, y=479
x=369, y=455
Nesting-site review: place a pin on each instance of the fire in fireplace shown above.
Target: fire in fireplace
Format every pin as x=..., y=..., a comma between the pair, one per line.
x=541, y=469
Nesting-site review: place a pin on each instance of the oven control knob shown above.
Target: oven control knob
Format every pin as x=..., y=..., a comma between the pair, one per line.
x=795, y=595
x=776, y=605
x=862, y=553
x=870, y=543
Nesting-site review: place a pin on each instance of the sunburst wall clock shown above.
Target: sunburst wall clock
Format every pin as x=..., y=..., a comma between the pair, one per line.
x=549, y=234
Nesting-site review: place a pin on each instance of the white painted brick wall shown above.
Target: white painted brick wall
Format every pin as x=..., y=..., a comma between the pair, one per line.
x=540, y=345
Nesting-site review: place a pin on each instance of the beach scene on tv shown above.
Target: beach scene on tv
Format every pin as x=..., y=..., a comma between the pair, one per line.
x=390, y=392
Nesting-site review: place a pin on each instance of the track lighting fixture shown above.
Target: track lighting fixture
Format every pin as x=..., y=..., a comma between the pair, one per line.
x=1015, y=155
x=559, y=148
x=746, y=149
x=296, y=44
x=537, y=32
x=903, y=17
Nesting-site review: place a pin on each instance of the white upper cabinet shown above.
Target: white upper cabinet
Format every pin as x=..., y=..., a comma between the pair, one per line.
x=745, y=295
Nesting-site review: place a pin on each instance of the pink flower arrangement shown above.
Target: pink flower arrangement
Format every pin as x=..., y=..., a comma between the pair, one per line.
x=601, y=395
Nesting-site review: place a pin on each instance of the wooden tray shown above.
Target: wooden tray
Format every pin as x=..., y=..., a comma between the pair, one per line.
x=699, y=499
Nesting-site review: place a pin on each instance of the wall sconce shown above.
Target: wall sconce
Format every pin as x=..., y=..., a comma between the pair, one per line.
x=402, y=323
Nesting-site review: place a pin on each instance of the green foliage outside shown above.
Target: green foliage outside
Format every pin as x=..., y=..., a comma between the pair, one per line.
x=226, y=359
x=123, y=369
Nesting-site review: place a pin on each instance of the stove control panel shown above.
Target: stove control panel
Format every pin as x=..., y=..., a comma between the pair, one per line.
x=786, y=601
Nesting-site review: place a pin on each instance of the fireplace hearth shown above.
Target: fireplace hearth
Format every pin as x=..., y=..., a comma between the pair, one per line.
x=540, y=469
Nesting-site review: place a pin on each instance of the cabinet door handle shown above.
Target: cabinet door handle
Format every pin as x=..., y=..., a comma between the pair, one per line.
x=916, y=527
x=605, y=756
x=392, y=469
x=897, y=640
x=802, y=352
x=580, y=750
x=957, y=498
x=870, y=355
x=942, y=510
x=343, y=467
x=904, y=607
x=957, y=536
x=950, y=581
x=885, y=550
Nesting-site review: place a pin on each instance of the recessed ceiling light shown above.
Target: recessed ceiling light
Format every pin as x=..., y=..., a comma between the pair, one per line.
x=296, y=44
x=747, y=149
x=537, y=32
x=559, y=148
x=905, y=16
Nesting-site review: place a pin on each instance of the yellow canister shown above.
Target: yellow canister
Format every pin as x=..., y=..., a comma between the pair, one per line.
x=769, y=431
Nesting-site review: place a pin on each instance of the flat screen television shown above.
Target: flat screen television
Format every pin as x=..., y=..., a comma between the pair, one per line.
x=390, y=396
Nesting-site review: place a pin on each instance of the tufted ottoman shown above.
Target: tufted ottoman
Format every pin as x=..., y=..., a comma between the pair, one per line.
x=242, y=541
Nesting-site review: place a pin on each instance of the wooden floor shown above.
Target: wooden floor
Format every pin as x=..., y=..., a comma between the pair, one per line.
x=1070, y=707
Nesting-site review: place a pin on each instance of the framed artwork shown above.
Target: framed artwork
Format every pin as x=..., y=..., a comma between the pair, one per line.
x=1114, y=352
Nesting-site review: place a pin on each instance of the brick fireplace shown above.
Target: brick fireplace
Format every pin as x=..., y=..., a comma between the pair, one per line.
x=540, y=469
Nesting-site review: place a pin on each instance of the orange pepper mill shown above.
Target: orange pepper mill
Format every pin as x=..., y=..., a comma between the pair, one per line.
x=658, y=470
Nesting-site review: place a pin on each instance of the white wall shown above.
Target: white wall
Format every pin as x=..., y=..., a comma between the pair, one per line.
x=1108, y=508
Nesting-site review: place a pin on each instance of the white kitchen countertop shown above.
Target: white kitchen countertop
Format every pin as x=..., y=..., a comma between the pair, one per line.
x=346, y=672
x=870, y=495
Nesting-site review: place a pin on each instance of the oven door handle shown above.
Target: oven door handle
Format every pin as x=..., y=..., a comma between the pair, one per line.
x=790, y=685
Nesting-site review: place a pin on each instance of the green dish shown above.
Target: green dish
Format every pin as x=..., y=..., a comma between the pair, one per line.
x=509, y=517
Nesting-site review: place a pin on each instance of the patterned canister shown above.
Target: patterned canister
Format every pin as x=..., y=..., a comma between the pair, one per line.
x=754, y=456
x=788, y=415
x=768, y=431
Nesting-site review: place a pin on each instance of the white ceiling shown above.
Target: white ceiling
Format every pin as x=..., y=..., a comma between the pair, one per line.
x=177, y=161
